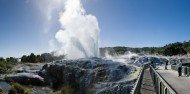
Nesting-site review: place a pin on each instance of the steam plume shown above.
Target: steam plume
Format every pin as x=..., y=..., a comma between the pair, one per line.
x=79, y=32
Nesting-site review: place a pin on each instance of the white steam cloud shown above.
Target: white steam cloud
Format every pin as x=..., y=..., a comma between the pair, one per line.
x=79, y=32
x=48, y=9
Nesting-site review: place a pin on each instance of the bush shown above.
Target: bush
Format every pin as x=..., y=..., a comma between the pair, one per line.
x=1, y=90
x=5, y=66
x=9, y=80
x=18, y=89
x=65, y=90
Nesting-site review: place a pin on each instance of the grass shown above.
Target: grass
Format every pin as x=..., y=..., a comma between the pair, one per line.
x=65, y=90
x=18, y=89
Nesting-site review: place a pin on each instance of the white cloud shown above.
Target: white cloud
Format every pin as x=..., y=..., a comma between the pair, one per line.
x=52, y=45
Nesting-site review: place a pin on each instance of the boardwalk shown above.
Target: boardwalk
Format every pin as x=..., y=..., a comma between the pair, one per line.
x=180, y=84
x=147, y=86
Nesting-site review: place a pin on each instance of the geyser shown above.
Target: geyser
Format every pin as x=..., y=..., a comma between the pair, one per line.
x=79, y=32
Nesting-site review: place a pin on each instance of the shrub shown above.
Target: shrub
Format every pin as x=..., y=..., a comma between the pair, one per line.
x=18, y=89
x=5, y=66
x=65, y=90
x=1, y=90
x=9, y=80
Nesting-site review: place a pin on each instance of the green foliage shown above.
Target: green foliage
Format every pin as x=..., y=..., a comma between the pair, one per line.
x=122, y=50
x=24, y=58
x=45, y=57
x=11, y=60
x=2, y=59
x=5, y=66
x=39, y=58
x=18, y=89
x=65, y=90
x=1, y=90
x=177, y=48
x=32, y=58
x=9, y=80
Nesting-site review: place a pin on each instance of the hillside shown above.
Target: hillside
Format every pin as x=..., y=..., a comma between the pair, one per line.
x=177, y=48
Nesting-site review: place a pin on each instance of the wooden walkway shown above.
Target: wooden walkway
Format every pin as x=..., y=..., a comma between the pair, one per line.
x=180, y=84
x=147, y=86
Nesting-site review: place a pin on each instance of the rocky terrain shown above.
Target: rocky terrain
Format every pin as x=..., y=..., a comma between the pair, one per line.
x=93, y=75
x=83, y=76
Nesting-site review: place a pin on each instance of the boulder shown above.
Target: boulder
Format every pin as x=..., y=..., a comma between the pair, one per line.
x=26, y=79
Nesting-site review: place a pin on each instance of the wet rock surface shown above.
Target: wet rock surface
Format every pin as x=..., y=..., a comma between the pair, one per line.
x=84, y=76
x=90, y=75
x=26, y=79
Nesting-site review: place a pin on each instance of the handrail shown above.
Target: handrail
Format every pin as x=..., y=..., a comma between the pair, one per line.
x=185, y=69
x=137, y=87
x=161, y=86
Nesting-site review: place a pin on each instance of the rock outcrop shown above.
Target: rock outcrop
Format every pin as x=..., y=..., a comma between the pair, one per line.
x=89, y=75
x=26, y=79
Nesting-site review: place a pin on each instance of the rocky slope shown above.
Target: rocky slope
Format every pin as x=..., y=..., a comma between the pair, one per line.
x=93, y=75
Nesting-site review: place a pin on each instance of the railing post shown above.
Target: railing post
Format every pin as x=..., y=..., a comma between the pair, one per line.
x=160, y=84
x=160, y=88
x=175, y=67
x=185, y=70
x=165, y=90
x=188, y=71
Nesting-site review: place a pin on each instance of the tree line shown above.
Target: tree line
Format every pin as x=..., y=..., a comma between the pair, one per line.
x=45, y=57
x=177, y=48
x=7, y=64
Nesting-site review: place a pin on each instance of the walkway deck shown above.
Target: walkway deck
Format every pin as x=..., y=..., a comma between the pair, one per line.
x=180, y=84
x=147, y=86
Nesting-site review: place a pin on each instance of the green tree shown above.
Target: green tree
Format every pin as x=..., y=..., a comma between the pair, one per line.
x=47, y=57
x=24, y=58
x=39, y=59
x=32, y=58
x=2, y=59
x=12, y=60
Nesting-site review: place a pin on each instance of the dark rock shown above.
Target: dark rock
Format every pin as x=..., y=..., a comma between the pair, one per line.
x=27, y=79
x=84, y=74
x=123, y=68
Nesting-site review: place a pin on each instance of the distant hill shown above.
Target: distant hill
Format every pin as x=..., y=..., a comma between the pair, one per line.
x=177, y=48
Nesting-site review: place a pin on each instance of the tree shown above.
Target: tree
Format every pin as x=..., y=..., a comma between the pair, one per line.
x=39, y=59
x=173, y=50
x=12, y=60
x=24, y=58
x=47, y=57
x=2, y=59
x=32, y=58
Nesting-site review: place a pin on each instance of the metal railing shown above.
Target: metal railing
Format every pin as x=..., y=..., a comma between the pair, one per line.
x=185, y=69
x=161, y=86
x=136, y=89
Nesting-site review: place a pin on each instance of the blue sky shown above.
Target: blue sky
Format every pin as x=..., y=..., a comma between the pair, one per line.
x=132, y=23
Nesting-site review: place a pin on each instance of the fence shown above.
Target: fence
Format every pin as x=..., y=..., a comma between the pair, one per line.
x=136, y=89
x=185, y=69
x=161, y=86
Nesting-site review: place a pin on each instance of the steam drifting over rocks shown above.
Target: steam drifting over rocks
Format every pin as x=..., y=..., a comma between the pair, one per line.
x=95, y=75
